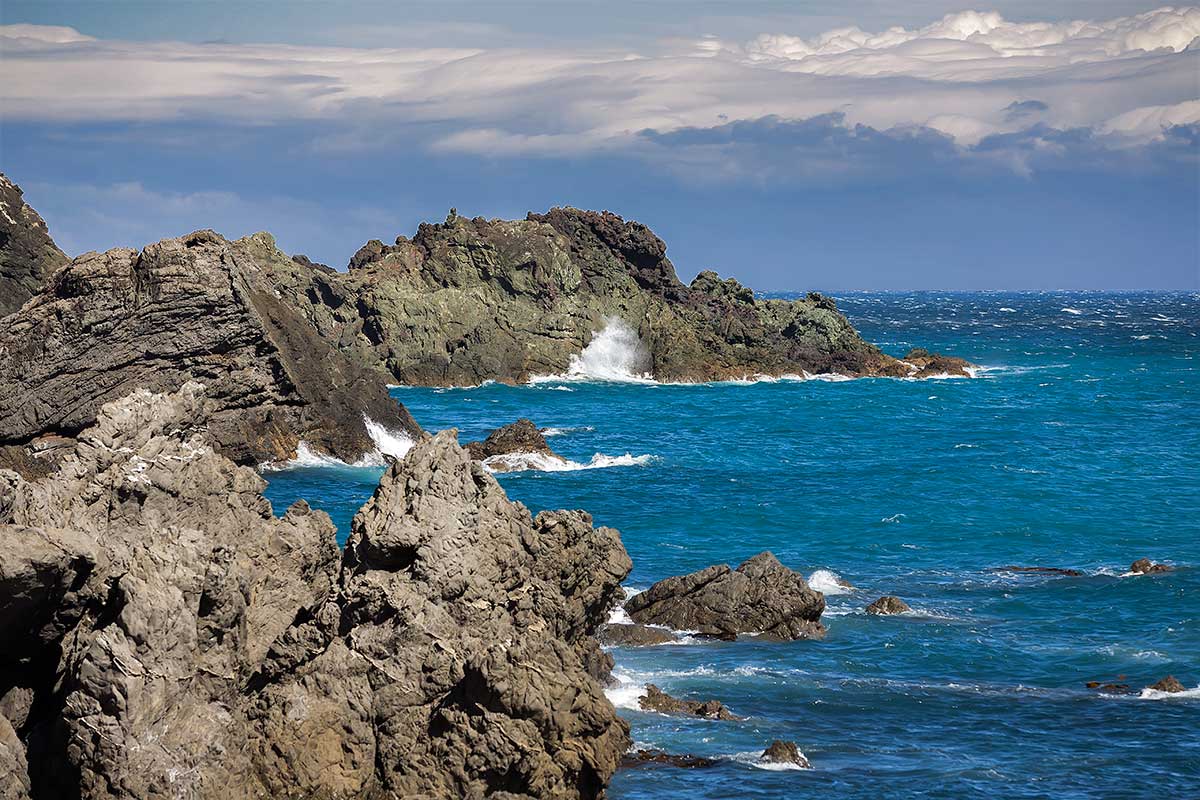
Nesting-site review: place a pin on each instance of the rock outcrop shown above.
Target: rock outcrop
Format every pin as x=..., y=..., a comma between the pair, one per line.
x=472, y=299
x=760, y=597
x=656, y=699
x=624, y=634
x=163, y=634
x=194, y=308
x=643, y=758
x=517, y=446
x=1144, y=566
x=888, y=604
x=1168, y=684
x=27, y=253
x=780, y=752
x=935, y=365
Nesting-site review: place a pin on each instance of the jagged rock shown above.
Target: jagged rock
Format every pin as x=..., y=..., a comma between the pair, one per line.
x=927, y=365
x=177, y=639
x=1144, y=566
x=656, y=699
x=780, y=752
x=472, y=299
x=14, y=769
x=1168, y=684
x=623, y=634
x=27, y=253
x=642, y=758
x=508, y=448
x=760, y=597
x=194, y=308
x=888, y=604
x=1071, y=573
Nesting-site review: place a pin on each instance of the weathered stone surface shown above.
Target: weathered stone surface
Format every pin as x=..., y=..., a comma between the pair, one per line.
x=27, y=253
x=656, y=699
x=888, y=604
x=165, y=635
x=761, y=597
x=1168, y=684
x=624, y=634
x=472, y=299
x=643, y=757
x=1144, y=566
x=194, y=308
x=780, y=752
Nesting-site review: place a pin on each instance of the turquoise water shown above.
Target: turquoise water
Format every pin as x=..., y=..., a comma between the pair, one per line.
x=1077, y=448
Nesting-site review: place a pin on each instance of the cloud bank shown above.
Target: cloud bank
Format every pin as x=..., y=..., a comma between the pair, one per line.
x=969, y=86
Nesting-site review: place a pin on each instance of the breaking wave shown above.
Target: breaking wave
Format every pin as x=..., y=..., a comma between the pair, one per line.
x=540, y=462
x=615, y=355
x=389, y=443
x=828, y=582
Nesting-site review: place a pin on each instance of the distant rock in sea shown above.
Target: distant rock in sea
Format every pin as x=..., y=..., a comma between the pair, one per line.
x=162, y=633
x=888, y=604
x=781, y=752
x=1144, y=566
x=656, y=699
x=1069, y=573
x=1169, y=684
x=27, y=253
x=760, y=597
x=623, y=634
x=644, y=757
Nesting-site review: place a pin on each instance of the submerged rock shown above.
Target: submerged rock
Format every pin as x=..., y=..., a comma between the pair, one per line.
x=656, y=699
x=888, y=604
x=760, y=597
x=1144, y=566
x=1168, y=684
x=624, y=634
x=162, y=633
x=1110, y=687
x=781, y=752
x=27, y=253
x=641, y=758
x=1072, y=573
x=194, y=308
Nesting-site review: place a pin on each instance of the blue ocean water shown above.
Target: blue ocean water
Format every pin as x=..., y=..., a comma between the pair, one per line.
x=1077, y=447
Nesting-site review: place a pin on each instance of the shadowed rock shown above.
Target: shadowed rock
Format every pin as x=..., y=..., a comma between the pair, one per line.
x=761, y=597
x=1144, y=566
x=1111, y=687
x=1072, y=573
x=642, y=758
x=780, y=752
x=163, y=634
x=656, y=699
x=1168, y=684
x=888, y=604
x=623, y=634
x=27, y=253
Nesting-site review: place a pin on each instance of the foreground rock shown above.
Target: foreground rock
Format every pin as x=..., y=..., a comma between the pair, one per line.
x=760, y=597
x=1168, y=684
x=925, y=364
x=1144, y=566
x=1071, y=573
x=642, y=758
x=162, y=634
x=27, y=253
x=780, y=752
x=623, y=634
x=656, y=699
x=888, y=604
x=517, y=446
x=472, y=299
x=194, y=308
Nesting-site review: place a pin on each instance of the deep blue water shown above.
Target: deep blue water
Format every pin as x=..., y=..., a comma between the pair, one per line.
x=1078, y=448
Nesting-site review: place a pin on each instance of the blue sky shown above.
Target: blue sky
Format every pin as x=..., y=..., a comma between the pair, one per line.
x=791, y=145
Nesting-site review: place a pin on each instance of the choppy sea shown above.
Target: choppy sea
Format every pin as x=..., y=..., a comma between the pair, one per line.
x=1076, y=446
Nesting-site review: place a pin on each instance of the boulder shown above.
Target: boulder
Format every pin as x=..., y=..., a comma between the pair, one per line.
x=781, y=752
x=642, y=757
x=517, y=446
x=1144, y=566
x=888, y=604
x=194, y=308
x=28, y=255
x=624, y=634
x=165, y=634
x=1168, y=684
x=656, y=699
x=760, y=597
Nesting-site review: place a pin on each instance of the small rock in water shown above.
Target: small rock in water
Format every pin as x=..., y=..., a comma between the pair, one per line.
x=1144, y=566
x=656, y=699
x=640, y=758
x=1074, y=573
x=888, y=604
x=625, y=634
x=1110, y=688
x=1168, y=684
x=781, y=752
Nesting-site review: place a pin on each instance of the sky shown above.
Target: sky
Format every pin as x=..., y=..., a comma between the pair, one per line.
x=793, y=145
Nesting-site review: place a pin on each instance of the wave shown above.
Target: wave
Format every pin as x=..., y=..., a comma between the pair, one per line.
x=388, y=444
x=1074, y=311
x=614, y=355
x=754, y=759
x=541, y=462
x=828, y=582
x=548, y=432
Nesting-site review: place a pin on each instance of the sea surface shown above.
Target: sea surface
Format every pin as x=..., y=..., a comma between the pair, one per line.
x=1077, y=446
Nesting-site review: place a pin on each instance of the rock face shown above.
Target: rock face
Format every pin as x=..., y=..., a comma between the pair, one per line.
x=194, y=308
x=623, y=634
x=1168, y=684
x=888, y=604
x=656, y=699
x=163, y=634
x=510, y=447
x=27, y=253
x=780, y=752
x=472, y=299
x=1144, y=566
x=761, y=597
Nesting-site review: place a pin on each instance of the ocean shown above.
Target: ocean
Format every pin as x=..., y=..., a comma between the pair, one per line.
x=1076, y=446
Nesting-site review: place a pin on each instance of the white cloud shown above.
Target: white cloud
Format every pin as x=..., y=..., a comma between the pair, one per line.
x=1126, y=78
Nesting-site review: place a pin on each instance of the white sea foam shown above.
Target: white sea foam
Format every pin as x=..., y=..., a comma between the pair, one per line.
x=388, y=442
x=616, y=354
x=754, y=759
x=548, y=432
x=394, y=444
x=541, y=462
x=1074, y=311
x=828, y=582
x=1155, y=694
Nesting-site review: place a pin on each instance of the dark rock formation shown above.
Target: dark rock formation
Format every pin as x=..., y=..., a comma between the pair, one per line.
x=761, y=597
x=656, y=699
x=1071, y=573
x=1144, y=566
x=1111, y=687
x=473, y=299
x=780, y=752
x=928, y=365
x=623, y=634
x=521, y=438
x=888, y=604
x=194, y=308
x=642, y=758
x=27, y=253
x=163, y=634
x=1168, y=684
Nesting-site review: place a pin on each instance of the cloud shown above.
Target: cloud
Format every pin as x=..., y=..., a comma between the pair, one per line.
x=962, y=86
